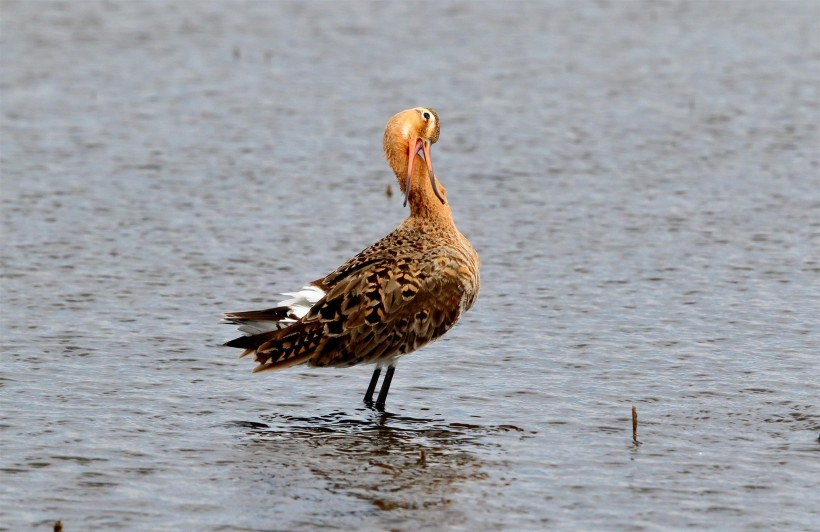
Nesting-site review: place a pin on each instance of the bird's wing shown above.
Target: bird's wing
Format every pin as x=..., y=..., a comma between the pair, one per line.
x=389, y=307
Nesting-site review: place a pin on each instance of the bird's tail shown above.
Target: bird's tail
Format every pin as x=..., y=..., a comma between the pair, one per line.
x=256, y=322
x=274, y=335
x=282, y=348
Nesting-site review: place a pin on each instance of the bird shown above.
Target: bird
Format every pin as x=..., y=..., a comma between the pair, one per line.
x=397, y=295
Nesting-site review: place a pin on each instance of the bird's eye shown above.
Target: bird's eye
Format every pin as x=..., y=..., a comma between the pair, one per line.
x=425, y=115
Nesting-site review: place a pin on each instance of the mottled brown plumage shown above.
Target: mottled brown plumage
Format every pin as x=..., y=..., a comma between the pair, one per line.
x=397, y=295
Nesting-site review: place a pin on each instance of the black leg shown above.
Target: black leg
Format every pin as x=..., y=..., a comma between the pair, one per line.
x=368, y=396
x=385, y=386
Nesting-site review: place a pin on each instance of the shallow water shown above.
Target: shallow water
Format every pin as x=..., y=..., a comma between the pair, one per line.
x=641, y=180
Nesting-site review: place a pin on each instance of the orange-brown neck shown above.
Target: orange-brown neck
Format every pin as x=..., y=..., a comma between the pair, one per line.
x=422, y=198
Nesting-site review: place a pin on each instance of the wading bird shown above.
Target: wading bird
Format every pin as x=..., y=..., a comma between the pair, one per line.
x=399, y=294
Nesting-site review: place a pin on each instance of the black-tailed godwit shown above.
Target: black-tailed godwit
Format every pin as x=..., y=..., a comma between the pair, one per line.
x=396, y=296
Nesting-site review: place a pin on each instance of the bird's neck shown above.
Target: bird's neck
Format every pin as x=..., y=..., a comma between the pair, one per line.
x=422, y=199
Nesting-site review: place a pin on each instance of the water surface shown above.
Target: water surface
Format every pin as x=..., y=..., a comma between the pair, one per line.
x=640, y=179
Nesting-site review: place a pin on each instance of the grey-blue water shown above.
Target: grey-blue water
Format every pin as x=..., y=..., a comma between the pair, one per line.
x=641, y=179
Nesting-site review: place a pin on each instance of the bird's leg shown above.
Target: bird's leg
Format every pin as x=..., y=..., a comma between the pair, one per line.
x=385, y=387
x=368, y=396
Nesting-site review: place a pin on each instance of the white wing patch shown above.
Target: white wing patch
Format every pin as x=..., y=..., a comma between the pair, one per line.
x=298, y=305
x=302, y=301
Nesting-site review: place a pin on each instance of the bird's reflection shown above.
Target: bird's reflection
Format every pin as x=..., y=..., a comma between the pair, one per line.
x=391, y=461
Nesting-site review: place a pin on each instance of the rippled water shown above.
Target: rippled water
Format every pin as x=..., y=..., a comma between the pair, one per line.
x=642, y=182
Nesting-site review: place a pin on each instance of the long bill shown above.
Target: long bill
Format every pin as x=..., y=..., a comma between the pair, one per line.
x=423, y=145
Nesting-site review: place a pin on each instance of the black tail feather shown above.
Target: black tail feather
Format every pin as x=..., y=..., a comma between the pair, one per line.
x=251, y=342
x=270, y=314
